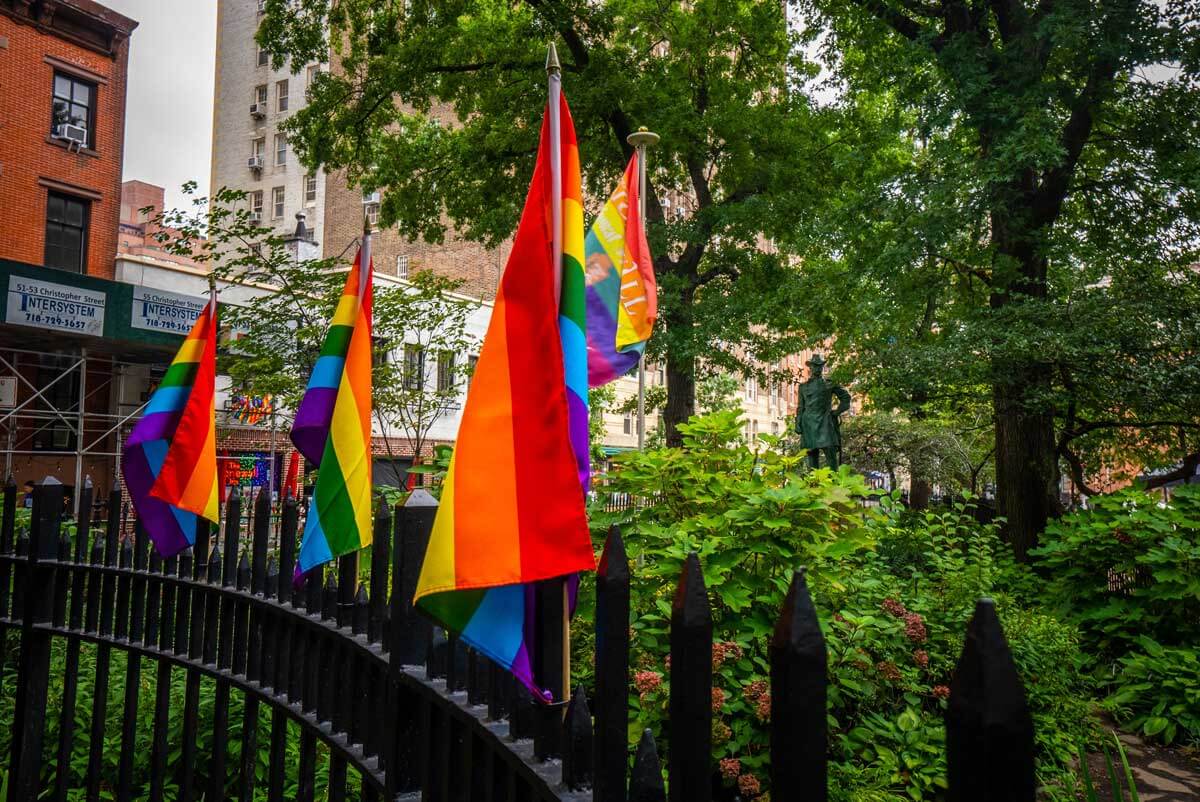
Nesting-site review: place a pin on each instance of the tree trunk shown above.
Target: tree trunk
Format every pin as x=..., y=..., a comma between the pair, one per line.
x=681, y=364
x=681, y=396
x=1026, y=468
x=919, y=491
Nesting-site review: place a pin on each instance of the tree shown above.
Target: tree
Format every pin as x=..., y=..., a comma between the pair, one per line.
x=276, y=336
x=423, y=329
x=438, y=105
x=1031, y=249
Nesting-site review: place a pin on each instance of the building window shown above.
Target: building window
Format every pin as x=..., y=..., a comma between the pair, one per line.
x=313, y=69
x=774, y=427
x=74, y=104
x=281, y=95
x=402, y=267
x=263, y=57
x=445, y=376
x=662, y=376
x=260, y=96
x=66, y=233
x=627, y=424
x=310, y=189
x=256, y=203
x=277, y=203
x=472, y=363
x=280, y=150
x=414, y=367
x=372, y=212
x=752, y=389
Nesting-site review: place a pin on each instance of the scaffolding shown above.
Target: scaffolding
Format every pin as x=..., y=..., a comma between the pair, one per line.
x=86, y=422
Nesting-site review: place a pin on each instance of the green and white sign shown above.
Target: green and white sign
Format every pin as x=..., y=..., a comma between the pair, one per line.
x=58, y=307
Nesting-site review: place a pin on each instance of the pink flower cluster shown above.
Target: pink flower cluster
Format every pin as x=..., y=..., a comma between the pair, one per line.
x=718, y=700
x=888, y=670
x=749, y=786
x=725, y=650
x=762, y=707
x=894, y=607
x=731, y=767
x=921, y=658
x=647, y=681
x=754, y=691
x=941, y=692
x=914, y=628
x=721, y=732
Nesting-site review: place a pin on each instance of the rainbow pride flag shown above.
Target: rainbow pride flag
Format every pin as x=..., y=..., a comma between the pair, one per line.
x=622, y=296
x=333, y=427
x=512, y=506
x=170, y=459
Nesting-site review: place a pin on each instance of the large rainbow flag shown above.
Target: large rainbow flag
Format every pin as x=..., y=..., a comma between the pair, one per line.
x=622, y=296
x=170, y=459
x=333, y=427
x=512, y=507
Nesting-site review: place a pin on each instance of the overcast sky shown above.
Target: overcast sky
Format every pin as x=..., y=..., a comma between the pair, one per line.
x=168, y=119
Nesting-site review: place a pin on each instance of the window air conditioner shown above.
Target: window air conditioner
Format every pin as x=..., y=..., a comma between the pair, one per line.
x=255, y=217
x=258, y=110
x=370, y=197
x=255, y=162
x=72, y=133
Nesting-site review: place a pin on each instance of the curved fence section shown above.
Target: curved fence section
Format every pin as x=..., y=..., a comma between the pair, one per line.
x=252, y=686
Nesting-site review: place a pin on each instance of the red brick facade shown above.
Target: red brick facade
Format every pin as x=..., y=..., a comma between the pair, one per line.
x=89, y=42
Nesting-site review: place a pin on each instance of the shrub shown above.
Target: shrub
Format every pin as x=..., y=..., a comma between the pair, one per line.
x=894, y=590
x=1126, y=568
x=1158, y=692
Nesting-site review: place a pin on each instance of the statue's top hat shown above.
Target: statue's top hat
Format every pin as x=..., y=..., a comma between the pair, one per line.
x=816, y=361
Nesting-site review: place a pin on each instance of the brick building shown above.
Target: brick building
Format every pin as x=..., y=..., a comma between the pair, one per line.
x=63, y=69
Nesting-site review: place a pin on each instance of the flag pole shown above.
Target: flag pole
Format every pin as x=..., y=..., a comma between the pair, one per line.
x=641, y=140
x=554, y=80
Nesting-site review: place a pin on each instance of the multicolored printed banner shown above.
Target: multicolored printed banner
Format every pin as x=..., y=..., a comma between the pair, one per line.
x=333, y=427
x=622, y=296
x=512, y=506
x=170, y=459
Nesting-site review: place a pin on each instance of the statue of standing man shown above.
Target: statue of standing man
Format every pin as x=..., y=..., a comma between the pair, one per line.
x=817, y=418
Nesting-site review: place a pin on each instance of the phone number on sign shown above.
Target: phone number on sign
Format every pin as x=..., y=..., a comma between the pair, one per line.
x=56, y=321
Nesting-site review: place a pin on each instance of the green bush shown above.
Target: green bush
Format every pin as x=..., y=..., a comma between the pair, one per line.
x=894, y=591
x=1127, y=572
x=1126, y=568
x=1158, y=692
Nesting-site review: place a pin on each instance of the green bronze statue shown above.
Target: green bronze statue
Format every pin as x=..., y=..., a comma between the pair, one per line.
x=817, y=418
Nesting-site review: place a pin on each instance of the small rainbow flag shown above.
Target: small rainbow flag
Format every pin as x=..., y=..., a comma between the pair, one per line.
x=333, y=427
x=170, y=459
x=622, y=296
x=512, y=507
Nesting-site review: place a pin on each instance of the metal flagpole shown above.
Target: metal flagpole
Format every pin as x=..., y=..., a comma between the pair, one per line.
x=554, y=79
x=554, y=76
x=642, y=139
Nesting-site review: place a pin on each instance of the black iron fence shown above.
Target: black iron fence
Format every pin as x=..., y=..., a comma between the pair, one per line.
x=398, y=710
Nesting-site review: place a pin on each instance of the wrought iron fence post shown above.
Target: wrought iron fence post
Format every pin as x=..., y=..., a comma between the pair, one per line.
x=33, y=672
x=799, y=729
x=408, y=636
x=612, y=671
x=577, y=749
x=646, y=779
x=690, y=707
x=989, y=730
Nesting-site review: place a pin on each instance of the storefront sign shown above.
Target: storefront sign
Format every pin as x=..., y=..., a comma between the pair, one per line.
x=44, y=305
x=160, y=310
x=245, y=470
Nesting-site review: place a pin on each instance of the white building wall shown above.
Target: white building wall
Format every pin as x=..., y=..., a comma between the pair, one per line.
x=235, y=130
